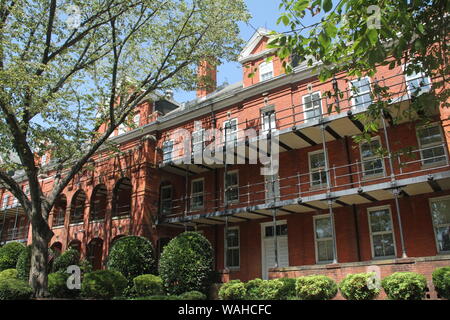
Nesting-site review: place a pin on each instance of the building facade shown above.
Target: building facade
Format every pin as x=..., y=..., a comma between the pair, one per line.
x=333, y=207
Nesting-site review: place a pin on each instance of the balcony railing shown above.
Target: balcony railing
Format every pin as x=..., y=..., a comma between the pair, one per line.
x=11, y=234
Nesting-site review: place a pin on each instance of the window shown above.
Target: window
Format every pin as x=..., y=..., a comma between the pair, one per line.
x=230, y=129
x=197, y=199
x=323, y=234
x=417, y=83
x=312, y=105
x=268, y=120
x=265, y=71
x=440, y=212
x=233, y=252
x=122, y=129
x=198, y=141
x=166, y=200
x=15, y=202
x=231, y=187
x=372, y=163
x=431, y=144
x=137, y=119
x=317, y=168
x=381, y=232
x=5, y=201
x=360, y=90
x=282, y=230
x=44, y=159
x=167, y=151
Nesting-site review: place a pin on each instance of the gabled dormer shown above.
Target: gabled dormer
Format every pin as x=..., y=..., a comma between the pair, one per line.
x=253, y=59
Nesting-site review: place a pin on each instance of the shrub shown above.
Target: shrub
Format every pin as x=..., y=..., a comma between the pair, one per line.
x=233, y=290
x=69, y=257
x=186, y=263
x=357, y=287
x=57, y=286
x=23, y=265
x=132, y=256
x=148, y=285
x=160, y=297
x=288, y=289
x=14, y=289
x=8, y=274
x=405, y=286
x=192, y=295
x=315, y=287
x=271, y=289
x=441, y=281
x=9, y=254
x=253, y=289
x=103, y=284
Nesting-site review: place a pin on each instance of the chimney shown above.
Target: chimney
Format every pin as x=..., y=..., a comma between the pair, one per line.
x=207, y=78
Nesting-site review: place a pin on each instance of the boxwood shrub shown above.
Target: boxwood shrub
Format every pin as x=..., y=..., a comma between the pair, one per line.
x=359, y=286
x=9, y=254
x=8, y=274
x=192, y=295
x=57, y=286
x=405, y=286
x=252, y=288
x=271, y=289
x=14, y=289
x=186, y=264
x=23, y=265
x=316, y=287
x=69, y=257
x=148, y=285
x=233, y=290
x=441, y=281
x=103, y=284
x=132, y=256
x=288, y=289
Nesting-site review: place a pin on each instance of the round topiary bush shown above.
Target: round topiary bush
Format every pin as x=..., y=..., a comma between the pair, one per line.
x=186, y=264
x=192, y=295
x=148, y=285
x=57, y=286
x=441, y=281
x=68, y=258
x=233, y=290
x=9, y=254
x=8, y=274
x=271, y=289
x=132, y=256
x=14, y=289
x=253, y=289
x=288, y=289
x=405, y=286
x=23, y=265
x=316, y=287
x=359, y=286
x=103, y=284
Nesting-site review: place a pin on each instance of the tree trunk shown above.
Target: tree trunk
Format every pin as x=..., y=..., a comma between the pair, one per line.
x=41, y=236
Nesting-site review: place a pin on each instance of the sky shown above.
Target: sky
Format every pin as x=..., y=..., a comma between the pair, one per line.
x=264, y=14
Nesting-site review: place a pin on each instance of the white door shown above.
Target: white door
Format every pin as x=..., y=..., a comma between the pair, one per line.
x=268, y=245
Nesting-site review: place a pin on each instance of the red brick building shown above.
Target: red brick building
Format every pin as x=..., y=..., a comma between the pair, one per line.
x=338, y=206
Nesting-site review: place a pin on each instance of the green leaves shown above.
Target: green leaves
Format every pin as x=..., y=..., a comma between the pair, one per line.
x=327, y=5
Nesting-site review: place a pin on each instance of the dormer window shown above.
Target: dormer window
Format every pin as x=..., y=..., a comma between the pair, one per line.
x=266, y=71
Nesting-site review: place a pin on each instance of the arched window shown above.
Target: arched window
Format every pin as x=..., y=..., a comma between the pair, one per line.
x=98, y=203
x=122, y=198
x=75, y=244
x=59, y=211
x=95, y=252
x=77, y=207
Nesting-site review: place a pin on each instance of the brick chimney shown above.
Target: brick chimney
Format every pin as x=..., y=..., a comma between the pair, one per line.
x=207, y=78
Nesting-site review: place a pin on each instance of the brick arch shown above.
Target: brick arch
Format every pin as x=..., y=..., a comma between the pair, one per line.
x=75, y=244
x=121, y=201
x=99, y=203
x=77, y=207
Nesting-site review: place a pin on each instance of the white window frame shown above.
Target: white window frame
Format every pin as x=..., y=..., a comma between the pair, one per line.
x=321, y=169
x=413, y=77
x=369, y=210
x=171, y=151
x=137, y=119
x=268, y=112
x=316, y=240
x=231, y=132
x=201, y=142
x=162, y=200
x=5, y=201
x=265, y=71
x=44, y=159
x=121, y=129
x=440, y=225
x=236, y=186
x=312, y=104
x=355, y=95
x=232, y=248
x=371, y=158
x=195, y=208
x=430, y=145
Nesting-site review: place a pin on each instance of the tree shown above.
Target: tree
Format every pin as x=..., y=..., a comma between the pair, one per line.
x=64, y=69
x=356, y=37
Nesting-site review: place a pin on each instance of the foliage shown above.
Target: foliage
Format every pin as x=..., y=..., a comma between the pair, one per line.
x=186, y=263
x=57, y=286
x=132, y=256
x=288, y=289
x=271, y=289
x=24, y=264
x=8, y=274
x=192, y=295
x=160, y=297
x=69, y=257
x=148, y=285
x=233, y=290
x=405, y=286
x=14, y=289
x=252, y=288
x=359, y=286
x=103, y=284
x=441, y=281
x=9, y=254
x=315, y=287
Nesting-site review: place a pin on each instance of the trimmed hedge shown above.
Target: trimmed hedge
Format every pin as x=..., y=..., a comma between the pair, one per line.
x=9, y=254
x=233, y=290
x=14, y=289
x=405, y=286
x=316, y=287
x=132, y=256
x=441, y=281
x=186, y=264
x=69, y=257
x=359, y=286
x=271, y=289
x=57, y=286
x=252, y=288
x=8, y=274
x=23, y=265
x=103, y=284
x=192, y=295
x=148, y=285
x=288, y=289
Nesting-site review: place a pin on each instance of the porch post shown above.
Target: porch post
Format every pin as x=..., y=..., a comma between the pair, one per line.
x=15, y=224
x=3, y=225
x=225, y=245
x=275, y=238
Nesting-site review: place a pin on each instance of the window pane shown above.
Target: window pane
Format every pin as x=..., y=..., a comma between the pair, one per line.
x=233, y=238
x=323, y=228
x=429, y=135
x=325, y=250
x=233, y=257
x=317, y=160
x=418, y=85
x=269, y=231
x=432, y=155
x=373, y=167
x=380, y=220
x=319, y=178
x=440, y=211
x=383, y=245
x=443, y=238
x=370, y=149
